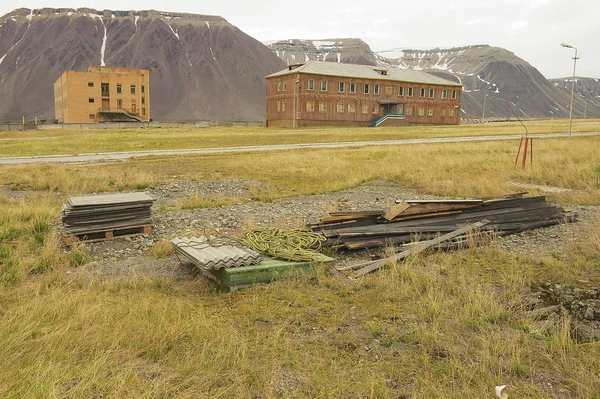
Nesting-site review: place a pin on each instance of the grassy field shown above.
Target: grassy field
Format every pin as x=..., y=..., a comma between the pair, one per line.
x=75, y=141
x=438, y=326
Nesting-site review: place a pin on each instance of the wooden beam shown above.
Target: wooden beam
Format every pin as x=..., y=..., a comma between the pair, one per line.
x=372, y=266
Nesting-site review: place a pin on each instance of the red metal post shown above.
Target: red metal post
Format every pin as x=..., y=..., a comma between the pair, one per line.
x=518, y=152
x=525, y=153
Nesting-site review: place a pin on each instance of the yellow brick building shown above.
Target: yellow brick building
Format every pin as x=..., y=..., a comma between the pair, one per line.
x=103, y=94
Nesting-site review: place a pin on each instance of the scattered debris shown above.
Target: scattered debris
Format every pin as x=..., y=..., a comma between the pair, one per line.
x=581, y=303
x=499, y=393
x=102, y=217
x=232, y=265
x=368, y=267
x=424, y=220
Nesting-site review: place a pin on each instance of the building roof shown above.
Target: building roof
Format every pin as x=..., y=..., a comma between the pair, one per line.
x=364, y=72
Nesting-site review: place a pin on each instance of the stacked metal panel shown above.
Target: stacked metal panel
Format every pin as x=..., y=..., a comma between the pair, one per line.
x=105, y=212
x=214, y=254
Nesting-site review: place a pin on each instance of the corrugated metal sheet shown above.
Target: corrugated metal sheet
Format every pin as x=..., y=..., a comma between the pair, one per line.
x=216, y=254
x=105, y=212
x=365, y=72
x=110, y=199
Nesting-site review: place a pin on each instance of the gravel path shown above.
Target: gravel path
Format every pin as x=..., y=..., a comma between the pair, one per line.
x=121, y=257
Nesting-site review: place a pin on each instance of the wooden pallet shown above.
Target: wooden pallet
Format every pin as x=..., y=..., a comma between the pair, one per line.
x=102, y=235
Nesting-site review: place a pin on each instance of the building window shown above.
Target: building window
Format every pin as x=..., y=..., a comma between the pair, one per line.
x=388, y=90
x=443, y=112
x=400, y=91
x=409, y=92
x=341, y=87
x=351, y=108
x=278, y=106
x=365, y=108
x=453, y=96
x=323, y=85
x=119, y=104
x=431, y=93
x=90, y=84
x=133, y=106
x=374, y=109
x=132, y=89
x=421, y=111
x=278, y=86
x=340, y=107
x=451, y=112
x=143, y=111
x=92, y=116
x=90, y=100
x=352, y=88
x=143, y=100
x=430, y=112
x=283, y=106
x=444, y=94
x=310, y=106
x=284, y=86
x=366, y=88
x=322, y=106
x=310, y=84
x=375, y=89
x=422, y=92
x=104, y=89
x=118, y=89
x=143, y=87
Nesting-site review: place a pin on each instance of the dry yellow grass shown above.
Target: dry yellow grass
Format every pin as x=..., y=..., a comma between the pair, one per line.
x=439, y=326
x=453, y=169
x=73, y=141
x=444, y=326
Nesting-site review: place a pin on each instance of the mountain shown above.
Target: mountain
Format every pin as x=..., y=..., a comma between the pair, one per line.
x=201, y=67
x=347, y=51
x=482, y=69
x=587, y=89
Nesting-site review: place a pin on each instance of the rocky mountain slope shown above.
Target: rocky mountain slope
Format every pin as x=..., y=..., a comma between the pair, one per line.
x=348, y=51
x=588, y=89
x=483, y=70
x=201, y=67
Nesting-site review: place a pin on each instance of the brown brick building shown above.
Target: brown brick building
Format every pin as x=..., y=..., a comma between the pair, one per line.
x=328, y=93
x=102, y=94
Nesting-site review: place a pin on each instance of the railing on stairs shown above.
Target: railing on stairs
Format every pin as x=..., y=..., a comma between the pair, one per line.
x=385, y=117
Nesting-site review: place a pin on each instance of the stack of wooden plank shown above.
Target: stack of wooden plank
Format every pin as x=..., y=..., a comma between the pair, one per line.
x=423, y=220
x=97, y=217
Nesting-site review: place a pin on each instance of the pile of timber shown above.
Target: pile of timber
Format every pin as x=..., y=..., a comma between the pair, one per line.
x=422, y=220
x=104, y=216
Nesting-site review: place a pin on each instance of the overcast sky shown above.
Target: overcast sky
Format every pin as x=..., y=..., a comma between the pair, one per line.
x=532, y=29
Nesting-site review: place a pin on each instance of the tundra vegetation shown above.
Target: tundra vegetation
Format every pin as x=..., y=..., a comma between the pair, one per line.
x=444, y=325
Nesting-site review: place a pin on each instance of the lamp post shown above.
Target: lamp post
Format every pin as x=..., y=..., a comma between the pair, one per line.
x=572, y=86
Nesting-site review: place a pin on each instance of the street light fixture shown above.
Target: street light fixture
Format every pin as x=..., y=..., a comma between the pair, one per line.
x=572, y=86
